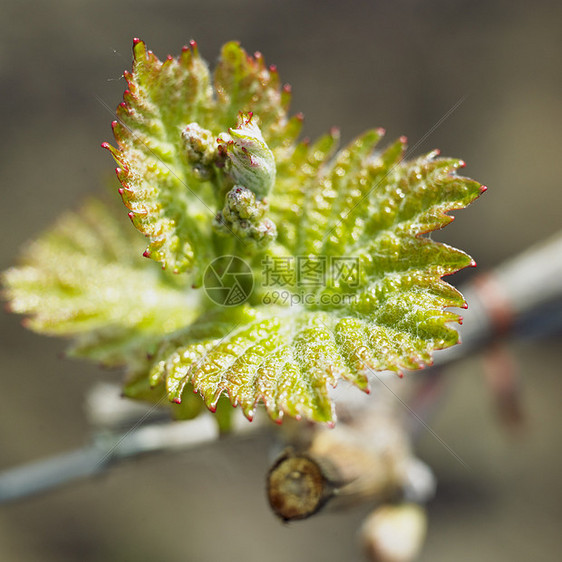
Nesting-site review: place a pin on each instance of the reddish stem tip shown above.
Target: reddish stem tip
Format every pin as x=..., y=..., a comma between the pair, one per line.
x=136, y=41
x=105, y=145
x=483, y=188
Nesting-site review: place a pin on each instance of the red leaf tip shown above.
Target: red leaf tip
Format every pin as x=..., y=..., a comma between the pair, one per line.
x=483, y=189
x=105, y=145
x=136, y=41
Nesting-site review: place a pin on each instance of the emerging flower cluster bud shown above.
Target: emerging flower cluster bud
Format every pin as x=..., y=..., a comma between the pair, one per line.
x=243, y=216
x=200, y=147
x=249, y=161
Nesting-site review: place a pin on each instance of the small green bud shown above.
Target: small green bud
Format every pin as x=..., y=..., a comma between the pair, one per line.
x=243, y=216
x=249, y=161
x=200, y=147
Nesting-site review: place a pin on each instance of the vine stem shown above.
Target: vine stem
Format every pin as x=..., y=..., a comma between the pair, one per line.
x=107, y=449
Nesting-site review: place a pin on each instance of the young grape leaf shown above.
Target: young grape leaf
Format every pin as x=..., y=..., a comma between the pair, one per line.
x=389, y=316
x=85, y=280
x=346, y=280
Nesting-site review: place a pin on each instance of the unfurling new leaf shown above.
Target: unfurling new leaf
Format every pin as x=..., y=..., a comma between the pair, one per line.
x=345, y=280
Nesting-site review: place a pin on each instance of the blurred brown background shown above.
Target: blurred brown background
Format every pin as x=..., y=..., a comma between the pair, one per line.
x=402, y=65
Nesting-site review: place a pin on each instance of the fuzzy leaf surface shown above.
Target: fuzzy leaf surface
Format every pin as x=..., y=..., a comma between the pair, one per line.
x=365, y=209
x=361, y=216
x=167, y=200
x=85, y=280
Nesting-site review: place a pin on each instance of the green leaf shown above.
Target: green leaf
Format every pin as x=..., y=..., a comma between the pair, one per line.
x=167, y=202
x=85, y=280
x=283, y=360
x=371, y=209
x=245, y=84
x=170, y=201
x=361, y=216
